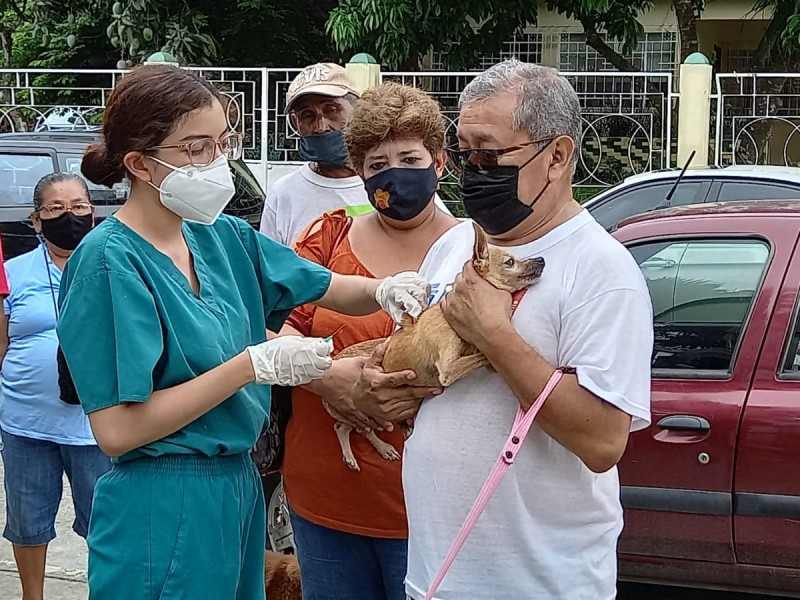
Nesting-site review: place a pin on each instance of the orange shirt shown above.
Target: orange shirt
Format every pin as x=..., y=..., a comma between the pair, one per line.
x=319, y=486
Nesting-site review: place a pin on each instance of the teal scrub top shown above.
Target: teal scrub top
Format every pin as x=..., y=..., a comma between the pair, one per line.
x=130, y=324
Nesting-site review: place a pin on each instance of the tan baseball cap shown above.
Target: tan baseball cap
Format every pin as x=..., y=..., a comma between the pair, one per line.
x=325, y=79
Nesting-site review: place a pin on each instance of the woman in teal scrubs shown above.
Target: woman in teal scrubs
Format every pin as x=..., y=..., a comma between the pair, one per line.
x=164, y=313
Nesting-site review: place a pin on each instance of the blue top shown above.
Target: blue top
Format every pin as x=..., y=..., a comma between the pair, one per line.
x=131, y=324
x=30, y=405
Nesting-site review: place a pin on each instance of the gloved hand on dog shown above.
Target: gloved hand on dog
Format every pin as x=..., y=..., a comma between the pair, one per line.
x=404, y=293
x=290, y=360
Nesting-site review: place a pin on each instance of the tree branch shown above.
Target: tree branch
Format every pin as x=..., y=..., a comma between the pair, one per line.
x=687, y=26
x=594, y=40
x=5, y=45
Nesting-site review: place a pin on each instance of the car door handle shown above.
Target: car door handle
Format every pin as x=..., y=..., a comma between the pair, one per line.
x=663, y=263
x=684, y=423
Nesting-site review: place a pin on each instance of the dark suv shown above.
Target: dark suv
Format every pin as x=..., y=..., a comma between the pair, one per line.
x=27, y=157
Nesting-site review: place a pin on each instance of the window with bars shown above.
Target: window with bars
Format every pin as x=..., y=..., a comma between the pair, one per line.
x=737, y=60
x=655, y=52
x=526, y=47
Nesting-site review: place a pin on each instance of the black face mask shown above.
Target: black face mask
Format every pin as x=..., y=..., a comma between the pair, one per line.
x=66, y=231
x=325, y=149
x=401, y=194
x=490, y=195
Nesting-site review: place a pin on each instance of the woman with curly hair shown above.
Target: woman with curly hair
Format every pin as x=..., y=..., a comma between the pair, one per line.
x=348, y=517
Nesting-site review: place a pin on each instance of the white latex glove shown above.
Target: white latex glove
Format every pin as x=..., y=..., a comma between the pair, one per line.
x=404, y=293
x=290, y=360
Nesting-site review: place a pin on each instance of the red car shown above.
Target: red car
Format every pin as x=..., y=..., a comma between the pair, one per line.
x=711, y=489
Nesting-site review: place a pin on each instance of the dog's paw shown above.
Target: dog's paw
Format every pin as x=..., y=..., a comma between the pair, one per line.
x=351, y=463
x=389, y=453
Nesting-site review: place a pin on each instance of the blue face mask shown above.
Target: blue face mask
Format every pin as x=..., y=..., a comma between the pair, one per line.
x=325, y=149
x=401, y=194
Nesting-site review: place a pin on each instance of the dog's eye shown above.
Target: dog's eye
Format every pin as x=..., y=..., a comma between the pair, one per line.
x=510, y=262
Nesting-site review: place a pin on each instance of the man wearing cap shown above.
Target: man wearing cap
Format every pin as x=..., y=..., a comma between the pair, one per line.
x=319, y=103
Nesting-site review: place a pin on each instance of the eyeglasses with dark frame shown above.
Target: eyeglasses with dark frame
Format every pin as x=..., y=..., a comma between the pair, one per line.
x=202, y=152
x=485, y=157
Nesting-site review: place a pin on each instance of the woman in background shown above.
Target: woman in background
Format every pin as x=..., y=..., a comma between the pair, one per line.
x=43, y=437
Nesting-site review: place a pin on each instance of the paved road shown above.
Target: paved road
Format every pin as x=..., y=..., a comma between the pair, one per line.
x=66, y=572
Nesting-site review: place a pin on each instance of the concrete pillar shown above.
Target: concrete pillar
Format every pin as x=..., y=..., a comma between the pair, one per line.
x=694, y=110
x=364, y=71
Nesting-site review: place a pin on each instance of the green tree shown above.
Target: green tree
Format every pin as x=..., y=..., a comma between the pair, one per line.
x=203, y=32
x=617, y=18
x=134, y=28
x=12, y=16
x=401, y=32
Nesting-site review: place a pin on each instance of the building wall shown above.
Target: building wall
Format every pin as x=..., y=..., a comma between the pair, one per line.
x=728, y=33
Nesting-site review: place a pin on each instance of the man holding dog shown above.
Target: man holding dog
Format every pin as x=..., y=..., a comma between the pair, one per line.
x=550, y=530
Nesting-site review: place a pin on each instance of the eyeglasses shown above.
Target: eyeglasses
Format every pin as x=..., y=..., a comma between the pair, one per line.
x=81, y=209
x=204, y=151
x=485, y=157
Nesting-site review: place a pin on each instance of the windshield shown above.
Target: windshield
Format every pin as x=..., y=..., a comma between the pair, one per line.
x=19, y=174
x=101, y=195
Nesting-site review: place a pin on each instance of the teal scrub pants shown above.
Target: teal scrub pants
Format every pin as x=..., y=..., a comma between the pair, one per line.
x=178, y=527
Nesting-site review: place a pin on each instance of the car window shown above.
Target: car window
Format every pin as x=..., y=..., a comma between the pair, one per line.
x=19, y=174
x=790, y=368
x=702, y=292
x=756, y=190
x=248, y=201
x=642, y=198
x=101, y=195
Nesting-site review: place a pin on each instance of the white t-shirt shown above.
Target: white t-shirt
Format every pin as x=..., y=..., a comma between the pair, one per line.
x=550, y=530
x=301, y=196
x=298, y=198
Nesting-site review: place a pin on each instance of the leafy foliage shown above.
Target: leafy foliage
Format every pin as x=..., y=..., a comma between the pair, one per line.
x=134, y=28
x=781, y=44
x=618, y=18
x=401, y=31
x=254, y=32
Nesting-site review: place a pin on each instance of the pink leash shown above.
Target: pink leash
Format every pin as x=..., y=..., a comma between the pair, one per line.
x=522, y=424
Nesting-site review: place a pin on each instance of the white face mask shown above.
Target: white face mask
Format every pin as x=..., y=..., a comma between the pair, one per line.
x=197, y=194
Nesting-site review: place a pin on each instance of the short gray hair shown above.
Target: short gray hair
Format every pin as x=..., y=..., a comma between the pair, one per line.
x=548, y=105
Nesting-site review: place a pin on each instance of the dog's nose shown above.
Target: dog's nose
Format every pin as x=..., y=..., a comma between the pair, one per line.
x=539, y=262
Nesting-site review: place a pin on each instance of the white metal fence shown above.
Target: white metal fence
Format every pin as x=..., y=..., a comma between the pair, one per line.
x=629, y=124
x=757, y=119
x=627, y=119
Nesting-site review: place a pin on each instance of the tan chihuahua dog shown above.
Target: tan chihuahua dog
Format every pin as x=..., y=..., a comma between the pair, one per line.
x=430, y=347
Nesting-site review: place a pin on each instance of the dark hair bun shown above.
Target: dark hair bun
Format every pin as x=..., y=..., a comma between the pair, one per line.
x=98, y=168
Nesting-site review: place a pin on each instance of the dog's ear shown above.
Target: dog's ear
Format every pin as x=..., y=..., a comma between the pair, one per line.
x=480, y=250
